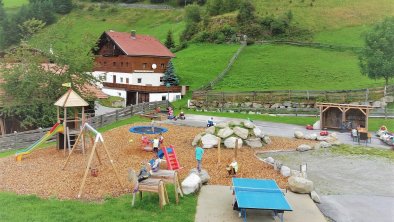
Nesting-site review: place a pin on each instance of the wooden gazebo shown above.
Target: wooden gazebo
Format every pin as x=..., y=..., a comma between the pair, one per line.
x=333, y=115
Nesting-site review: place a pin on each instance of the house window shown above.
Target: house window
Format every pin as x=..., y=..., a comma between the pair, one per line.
x=105, y=63
x=114, y=63
x=144, y=65
x=121, y=64
x=121, y=79
x=139, y=80
x=127, y=64
x=177, y=97
x=163, y=98
x=162, y=65
x=119, y=94
x=162, y=79
x=127, y=80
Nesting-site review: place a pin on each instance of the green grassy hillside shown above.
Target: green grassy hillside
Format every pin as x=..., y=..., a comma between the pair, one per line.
x=12, y=6
x=262, y=67
x=200, y=63
x=96, y=21
x=348, y=36
x=329, y=14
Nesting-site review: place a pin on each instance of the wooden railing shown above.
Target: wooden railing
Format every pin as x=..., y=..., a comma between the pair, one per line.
x=150, y=89
x=27, y=138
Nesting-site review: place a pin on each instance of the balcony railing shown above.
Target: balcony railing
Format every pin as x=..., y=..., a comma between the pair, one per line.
x=148, y=89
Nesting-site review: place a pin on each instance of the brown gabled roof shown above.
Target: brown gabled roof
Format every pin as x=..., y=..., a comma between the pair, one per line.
x=140, y=45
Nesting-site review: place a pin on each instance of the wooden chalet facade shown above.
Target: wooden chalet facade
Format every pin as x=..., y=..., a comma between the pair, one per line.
x=132, y=66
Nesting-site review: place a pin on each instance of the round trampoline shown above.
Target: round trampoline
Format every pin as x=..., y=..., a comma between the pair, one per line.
x=148, y=130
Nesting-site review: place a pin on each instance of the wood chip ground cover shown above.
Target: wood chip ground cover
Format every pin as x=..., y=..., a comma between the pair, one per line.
x=41, y=173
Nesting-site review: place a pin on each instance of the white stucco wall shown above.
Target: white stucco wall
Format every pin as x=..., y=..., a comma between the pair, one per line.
x=116, y=92
x=153, y=97
x=146, y=78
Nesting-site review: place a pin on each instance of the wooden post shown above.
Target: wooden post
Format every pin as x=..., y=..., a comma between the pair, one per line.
x=236, y=148
x=2, y=129
x=366, y=118
x=69, y=155
x=65, y=131
x=219, y=151
x=86, y=171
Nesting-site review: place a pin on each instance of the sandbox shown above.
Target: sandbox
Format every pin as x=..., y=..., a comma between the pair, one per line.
x=41, y=172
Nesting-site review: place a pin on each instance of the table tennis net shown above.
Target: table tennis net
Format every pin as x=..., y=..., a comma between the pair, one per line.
x=255, y=189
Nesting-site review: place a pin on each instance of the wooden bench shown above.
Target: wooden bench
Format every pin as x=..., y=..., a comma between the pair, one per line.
x=154, y=186
x=170, y=176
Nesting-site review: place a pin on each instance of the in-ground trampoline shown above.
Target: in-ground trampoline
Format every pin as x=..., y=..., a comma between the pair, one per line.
x=148, y=130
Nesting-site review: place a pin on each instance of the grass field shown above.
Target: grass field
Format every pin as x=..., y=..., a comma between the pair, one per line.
x=329, y=14
x=348, y=36
x=14, y=3
x=31, y=208
x=262, y=67
x=149, y=22
x=373, y=123
x=200, y=63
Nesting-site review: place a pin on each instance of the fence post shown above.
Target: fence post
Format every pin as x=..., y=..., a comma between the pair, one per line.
x=366, y=95
x=131, y=110
x=385, y=91
x=116, y=115
x=101, y=120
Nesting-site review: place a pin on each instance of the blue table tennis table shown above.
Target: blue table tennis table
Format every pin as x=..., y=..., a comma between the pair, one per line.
x=259, y=194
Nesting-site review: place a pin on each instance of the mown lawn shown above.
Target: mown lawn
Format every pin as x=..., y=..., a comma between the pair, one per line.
x=31, y=208
x=328, y=14
x=200, y=63
x=282, y=67
x=348, y=36
x=14, y=3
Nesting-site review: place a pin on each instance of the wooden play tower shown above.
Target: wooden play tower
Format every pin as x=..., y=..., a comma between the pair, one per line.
x=71, y=122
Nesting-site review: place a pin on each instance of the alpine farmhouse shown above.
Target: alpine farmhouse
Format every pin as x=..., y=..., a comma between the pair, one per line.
x=132, y=66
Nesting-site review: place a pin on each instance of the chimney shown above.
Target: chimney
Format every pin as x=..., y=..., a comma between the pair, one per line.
x=133, y=34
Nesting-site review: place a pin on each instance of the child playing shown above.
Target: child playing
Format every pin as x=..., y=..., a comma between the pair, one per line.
x=210, y=122
x=199, y=153
x=232, y=169
x=161, y=139
x=156, y=145
x=143, y=174
x=154, y=164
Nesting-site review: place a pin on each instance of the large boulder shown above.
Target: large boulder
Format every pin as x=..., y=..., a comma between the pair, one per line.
x=258, y=133
x=235, y=123
x=209, y=141
x=222, y=125
x=267, y=140
x=324, y=144
x=315, y=197
x=241, y=132
x=316, y=126
x=248, y=124
x=191, y=184
x=269, y=160
x=303, y=148
x=196, y=139
x=204, y=176
x=285, y=171
x=276, y=105
x=321, y=138
x=210, y=130
x=230, y=142
x=313, y=136
x=226, y=132
x=254, y=142
x=300, y=185
x=299, y=135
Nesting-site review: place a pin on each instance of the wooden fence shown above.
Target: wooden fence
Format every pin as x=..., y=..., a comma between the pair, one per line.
x=298, y=96
x=27, y=138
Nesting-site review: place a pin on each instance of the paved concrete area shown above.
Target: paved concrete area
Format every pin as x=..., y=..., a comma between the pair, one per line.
x=215, y=205
x=273, y=129
x=358, y=208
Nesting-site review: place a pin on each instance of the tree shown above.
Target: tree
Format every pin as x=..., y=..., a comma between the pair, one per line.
x=30, y=27
x=32, y=87
x=377, y=57
x=62, y=6
x=170, y=75
x=3, y=18
x=246, y=13
x=192, y=13
x=169, y=43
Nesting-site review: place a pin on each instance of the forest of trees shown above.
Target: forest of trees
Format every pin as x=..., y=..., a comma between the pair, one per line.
x=30, y=19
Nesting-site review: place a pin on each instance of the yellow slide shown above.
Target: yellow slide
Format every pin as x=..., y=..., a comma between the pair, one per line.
x=57, y=128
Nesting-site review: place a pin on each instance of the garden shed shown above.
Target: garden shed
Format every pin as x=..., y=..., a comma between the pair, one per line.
x=334, y=115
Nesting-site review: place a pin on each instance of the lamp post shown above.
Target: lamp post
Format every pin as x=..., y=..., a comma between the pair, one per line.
x=168, y=85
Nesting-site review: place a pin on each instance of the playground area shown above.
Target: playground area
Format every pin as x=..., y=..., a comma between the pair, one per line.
x=41, y=172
